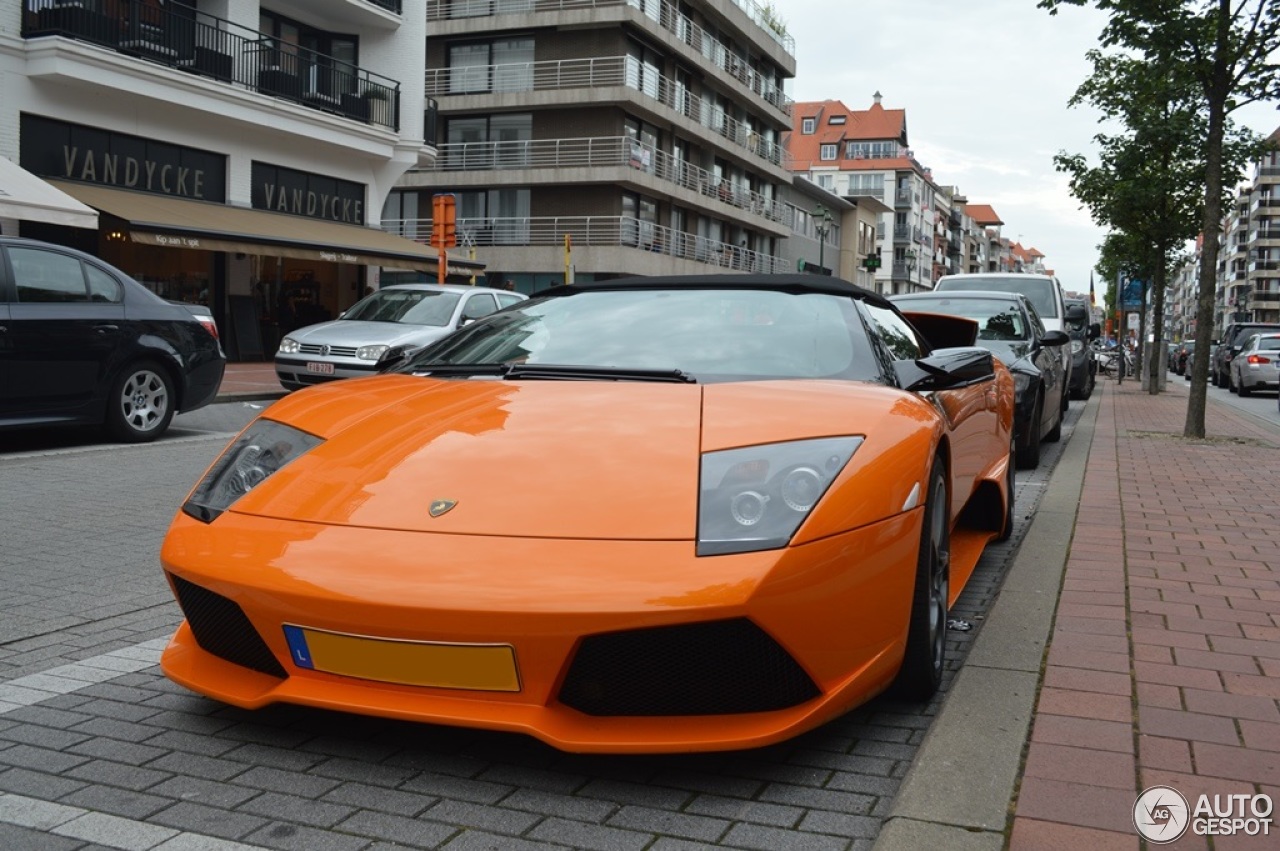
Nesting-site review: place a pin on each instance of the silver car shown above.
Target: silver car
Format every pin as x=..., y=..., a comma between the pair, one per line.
x=380, y=329
x=1257, y=366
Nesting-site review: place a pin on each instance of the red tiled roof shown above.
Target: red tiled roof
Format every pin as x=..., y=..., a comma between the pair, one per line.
x=876, y=124
x=983, y=214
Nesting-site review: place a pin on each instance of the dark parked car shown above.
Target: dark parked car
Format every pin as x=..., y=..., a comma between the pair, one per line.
x=1009, y=326
x=1232, y=339
x=1084, y=365
x=1180, y=356
x=83, y=343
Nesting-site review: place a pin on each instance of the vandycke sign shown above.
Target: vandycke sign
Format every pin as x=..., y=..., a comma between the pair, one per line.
x=89, y=155
x=286, y=190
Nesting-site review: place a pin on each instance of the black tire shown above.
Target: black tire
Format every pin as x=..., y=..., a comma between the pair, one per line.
x=1213, y=377
x=921, y=671
x=1007, y=530
x=1242, y=390
x=1029, y=455
x=1066, y=400
x=1088, y=386
x=141, y=403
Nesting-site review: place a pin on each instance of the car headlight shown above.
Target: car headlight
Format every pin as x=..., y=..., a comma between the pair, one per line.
x=755, y=498
x=372, y=352
x=1077, y=347
x=262, y=449
x=289, y=346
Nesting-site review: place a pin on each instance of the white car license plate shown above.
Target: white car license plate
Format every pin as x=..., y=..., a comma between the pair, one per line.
x=321, y=368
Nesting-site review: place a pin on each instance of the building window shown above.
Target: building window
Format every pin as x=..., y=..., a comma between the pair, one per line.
x=808, y=126
x=827, y=153
x=836, y=119
x=827, y=181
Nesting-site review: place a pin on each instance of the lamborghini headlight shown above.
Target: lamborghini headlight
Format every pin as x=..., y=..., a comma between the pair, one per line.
x=755, y=498
x=262, y=449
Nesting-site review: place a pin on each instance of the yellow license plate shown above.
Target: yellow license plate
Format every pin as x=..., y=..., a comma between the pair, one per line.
x=478, y=667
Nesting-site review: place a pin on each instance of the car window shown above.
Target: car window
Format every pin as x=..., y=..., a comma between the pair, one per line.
x=998, y=319
x=1037, y=324
x=102, y=287
x=412, y=307
x=1269, y=344
x=896, y=332
x=713, y=334
x=508, y=300
x=1040, y=291
x=47, y=276
x=479, y=304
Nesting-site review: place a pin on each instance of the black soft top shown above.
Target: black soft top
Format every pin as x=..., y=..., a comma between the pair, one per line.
x=792, y=282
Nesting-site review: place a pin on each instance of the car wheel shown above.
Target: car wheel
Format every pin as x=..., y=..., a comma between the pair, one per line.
x=1029, y=455
x=1007, y=530
x=140, y=406
x=1242, y=389
x=1088, y=386
x=1213, y=377
x=921, y=671
x=1065, y=402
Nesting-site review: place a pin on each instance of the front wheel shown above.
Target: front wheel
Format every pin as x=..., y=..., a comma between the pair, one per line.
x=1029, y=455
x=140, y=406
x=921, y=672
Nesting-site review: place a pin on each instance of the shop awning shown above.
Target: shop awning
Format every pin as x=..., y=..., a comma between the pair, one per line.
x=28, y=198
x=180, y=223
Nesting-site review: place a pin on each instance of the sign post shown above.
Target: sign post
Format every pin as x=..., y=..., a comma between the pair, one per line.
x=444, y=230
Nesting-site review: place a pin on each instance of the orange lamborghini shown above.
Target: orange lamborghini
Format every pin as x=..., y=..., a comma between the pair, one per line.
x=644, y=515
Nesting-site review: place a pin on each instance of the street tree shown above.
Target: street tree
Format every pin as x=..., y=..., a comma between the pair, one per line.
x=1147, y=187
x=1225, y=46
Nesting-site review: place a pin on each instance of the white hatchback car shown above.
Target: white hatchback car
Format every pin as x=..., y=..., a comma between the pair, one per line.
x=380, y=329
x=1257, y=366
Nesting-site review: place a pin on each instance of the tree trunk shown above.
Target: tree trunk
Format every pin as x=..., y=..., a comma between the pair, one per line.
x=1219, y=86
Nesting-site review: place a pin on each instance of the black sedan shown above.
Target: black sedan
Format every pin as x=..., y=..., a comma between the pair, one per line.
x=82, y=343
x=1009, y=326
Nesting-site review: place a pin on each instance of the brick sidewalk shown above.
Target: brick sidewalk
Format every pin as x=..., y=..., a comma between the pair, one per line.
x=1164, y=661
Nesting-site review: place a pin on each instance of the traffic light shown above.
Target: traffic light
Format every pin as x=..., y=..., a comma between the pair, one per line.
x=444, y=218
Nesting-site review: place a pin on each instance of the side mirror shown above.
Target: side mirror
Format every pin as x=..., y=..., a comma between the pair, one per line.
x=1095, y=331
x=946, y=369
x=1055, y=338
x=1077, y=313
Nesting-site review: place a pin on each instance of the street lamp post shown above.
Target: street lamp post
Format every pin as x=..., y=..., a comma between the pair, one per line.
x=822, y=221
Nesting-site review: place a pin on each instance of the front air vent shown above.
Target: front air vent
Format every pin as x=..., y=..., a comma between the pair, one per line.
x=716, y=668
x=222, y=628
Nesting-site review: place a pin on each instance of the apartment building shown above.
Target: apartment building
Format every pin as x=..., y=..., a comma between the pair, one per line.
x=586, y=139
x=1259, y=301
x=235, y=152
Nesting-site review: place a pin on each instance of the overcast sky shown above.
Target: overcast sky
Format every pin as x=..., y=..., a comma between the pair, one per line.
x=985, y=86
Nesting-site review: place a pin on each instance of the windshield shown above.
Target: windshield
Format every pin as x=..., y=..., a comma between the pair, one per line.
x=709, y=334
x=411, y=307
x=997, y=319
x=1038, y=290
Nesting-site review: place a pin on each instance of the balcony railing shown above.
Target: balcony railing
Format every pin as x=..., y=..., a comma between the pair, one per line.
x=603, y=153
x=389, y=5
x=597, y=231
x=443, y=10
x=181, y=37
x=598, y=72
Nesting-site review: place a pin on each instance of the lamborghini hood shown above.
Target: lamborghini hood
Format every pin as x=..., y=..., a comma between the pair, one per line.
x=562, y=459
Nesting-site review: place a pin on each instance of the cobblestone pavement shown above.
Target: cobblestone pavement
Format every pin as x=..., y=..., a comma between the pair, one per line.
x=99, y=750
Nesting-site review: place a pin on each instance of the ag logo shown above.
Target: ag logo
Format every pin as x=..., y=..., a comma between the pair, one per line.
x=1161, y=814
x=441, y=506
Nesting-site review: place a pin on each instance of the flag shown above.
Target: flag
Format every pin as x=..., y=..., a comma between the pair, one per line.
x=1093, y=300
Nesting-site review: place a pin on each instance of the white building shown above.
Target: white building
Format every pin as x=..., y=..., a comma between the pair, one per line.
x=238, y=152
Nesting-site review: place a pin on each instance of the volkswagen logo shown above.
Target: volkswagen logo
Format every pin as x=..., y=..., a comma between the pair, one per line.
x=324, y=350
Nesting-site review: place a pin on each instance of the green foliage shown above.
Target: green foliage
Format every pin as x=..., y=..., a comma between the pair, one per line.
x=772, y=18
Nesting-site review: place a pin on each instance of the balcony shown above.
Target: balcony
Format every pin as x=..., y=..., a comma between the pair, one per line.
x=180, y=37
x=667, y=13
x=596, y=231
x=599, y=153
x=593, y=74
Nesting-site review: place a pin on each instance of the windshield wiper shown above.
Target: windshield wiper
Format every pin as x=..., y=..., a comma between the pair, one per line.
x=499, y=369
x=557, y=372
